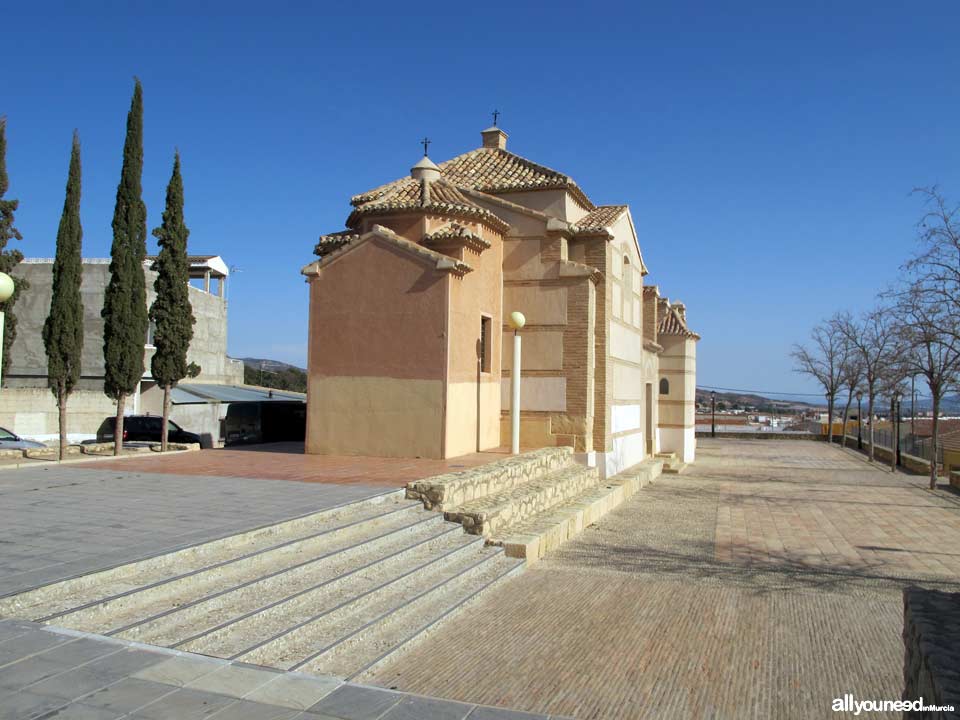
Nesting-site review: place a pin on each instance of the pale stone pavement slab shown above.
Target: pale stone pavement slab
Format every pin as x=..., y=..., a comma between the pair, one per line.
x=762, y=583
x=57, y=522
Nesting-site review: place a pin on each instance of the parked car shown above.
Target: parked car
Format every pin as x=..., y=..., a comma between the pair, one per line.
x=265, y=422
x=144, y=428
x=9, y=441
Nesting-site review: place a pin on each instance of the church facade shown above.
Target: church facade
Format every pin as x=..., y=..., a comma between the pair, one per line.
x=409, y=353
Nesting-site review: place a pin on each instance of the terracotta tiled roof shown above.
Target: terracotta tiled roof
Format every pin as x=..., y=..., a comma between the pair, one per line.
x=443, y=262
x=455, y=231
x=411, y=194
x=671, y=324
x=493, y=170
x=599, y=219
x=332, y=241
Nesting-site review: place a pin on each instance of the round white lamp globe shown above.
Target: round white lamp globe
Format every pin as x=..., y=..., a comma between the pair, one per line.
x=6, y=287
x=517, y=320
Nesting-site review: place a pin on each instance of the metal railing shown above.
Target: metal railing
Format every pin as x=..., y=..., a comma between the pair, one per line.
x=921, y=447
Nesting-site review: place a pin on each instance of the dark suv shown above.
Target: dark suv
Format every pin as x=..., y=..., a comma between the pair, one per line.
x=147, y=428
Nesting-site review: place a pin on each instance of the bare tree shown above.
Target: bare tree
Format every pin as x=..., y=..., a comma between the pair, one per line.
x=930, y=329
x=824, y=361
x=852, y=380
x=874, y=337
x=936, y=267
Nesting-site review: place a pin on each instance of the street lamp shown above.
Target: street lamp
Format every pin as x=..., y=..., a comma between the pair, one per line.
x=713, y=413
x=517, y=321
x=6, y=292
x=897, y=397
x=859, y=420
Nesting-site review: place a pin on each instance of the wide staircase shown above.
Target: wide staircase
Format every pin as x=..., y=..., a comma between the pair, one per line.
x=335, y=592
x=340, y=591
x=532, y=503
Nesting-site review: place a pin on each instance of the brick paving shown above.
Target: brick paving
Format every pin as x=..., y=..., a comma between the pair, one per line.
x=762, y=583
x=287, y=461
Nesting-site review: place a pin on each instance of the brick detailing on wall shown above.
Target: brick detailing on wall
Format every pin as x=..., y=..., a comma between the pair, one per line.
x=931, y=639
x=598, y=254
x=579, y=358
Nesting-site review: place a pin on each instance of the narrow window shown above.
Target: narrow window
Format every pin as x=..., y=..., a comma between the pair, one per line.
x=486, y=327
x=664, y=386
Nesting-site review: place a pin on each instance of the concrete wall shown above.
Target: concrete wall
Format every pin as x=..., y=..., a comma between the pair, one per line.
x=32, y=413
x=28, y=356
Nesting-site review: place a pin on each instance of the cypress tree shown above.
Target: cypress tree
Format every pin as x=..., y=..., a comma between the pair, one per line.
x=171, y=311
x=63, y=330
x=125, y=301
x=9, y=259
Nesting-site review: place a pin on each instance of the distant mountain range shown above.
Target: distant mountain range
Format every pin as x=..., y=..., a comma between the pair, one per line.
x=950, y=405
x=269, y=365
x=740, y=399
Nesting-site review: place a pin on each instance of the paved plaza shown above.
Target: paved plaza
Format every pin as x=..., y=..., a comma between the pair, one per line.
x=762, y=583
x=60, y=521
x=287, y=461
x=48, y=673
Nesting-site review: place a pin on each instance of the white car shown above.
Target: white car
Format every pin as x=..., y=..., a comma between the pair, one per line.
x=9, y=441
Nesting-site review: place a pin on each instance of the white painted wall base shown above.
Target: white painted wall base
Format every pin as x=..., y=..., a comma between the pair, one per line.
x=628, y=450
x=588, y=458
x=682, y=441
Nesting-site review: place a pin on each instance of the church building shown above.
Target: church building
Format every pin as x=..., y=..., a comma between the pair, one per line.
x=409, y=349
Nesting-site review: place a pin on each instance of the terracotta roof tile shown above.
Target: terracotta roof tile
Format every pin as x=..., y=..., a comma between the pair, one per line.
x=333, y=241
x=408, y=194
x=493, y=170
x=599, y=219
x=671, y=324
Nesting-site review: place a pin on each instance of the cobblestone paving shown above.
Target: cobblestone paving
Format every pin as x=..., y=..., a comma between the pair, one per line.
x=60, y=521
x=762, y=583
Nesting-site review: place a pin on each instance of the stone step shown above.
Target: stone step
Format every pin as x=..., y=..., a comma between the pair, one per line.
x=532, y=539
x=674, y=468
x=400, y=630
x=493, y=513
x=192, y=572
x=346, y=638
x=177, y=621
x=336, y=591
x=444, y=492
x=276, y=625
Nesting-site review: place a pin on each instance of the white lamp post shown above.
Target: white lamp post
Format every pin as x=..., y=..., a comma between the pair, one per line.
x=517, y=321
x=6, y=291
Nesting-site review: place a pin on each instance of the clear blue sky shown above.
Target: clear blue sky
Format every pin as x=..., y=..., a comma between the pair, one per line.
x=767, y=152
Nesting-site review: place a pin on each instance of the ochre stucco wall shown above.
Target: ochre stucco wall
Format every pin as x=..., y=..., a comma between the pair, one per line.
x=477, y=294
x=377, y=356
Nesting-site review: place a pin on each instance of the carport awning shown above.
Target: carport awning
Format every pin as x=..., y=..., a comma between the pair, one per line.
x=198, y=393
